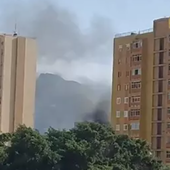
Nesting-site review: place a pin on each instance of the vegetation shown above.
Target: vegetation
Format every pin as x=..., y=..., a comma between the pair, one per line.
x=88, y=146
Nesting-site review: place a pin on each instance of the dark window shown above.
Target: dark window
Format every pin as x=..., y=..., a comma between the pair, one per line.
x=136, y=72
x=136, y=85
x=168, y=154
x=161, y=45
x=160, y=72
x=169, y=82
x=158, y=141
x=169, y=67
x=168, y=111
x=159, y=114
x=169, y=96
x=119, y=74
x=160, y=86
x=159, y=99
x=168, y=125
x=161, y=57
x=159, y=128
x=158, y=154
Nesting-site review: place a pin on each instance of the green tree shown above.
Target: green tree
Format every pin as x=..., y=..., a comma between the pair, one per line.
x=87, y=146
x=4, y=143
x=92, y=146
x=29, y=151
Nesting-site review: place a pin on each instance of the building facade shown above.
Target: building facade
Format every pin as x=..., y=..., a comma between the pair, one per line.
x=17, y=81
x=141, y=87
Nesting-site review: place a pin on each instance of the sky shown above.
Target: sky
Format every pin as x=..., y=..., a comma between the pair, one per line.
x=75, y=37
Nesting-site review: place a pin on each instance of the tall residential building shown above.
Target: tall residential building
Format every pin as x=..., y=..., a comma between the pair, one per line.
x=17, y=81
x=141, y=86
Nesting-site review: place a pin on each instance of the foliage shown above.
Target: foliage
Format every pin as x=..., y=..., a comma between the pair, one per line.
x=88, y=146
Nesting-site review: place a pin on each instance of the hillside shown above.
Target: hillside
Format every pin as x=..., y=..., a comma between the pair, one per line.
x=60, y=103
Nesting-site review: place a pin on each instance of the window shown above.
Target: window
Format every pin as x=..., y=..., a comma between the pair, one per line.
x=135, y=99
x=137, y=58
x=118, y=87
x=125, y=113
x=136, y=85
x=135, y=113
x=169, y=96
x=128, y=46
x=168, y=111
x=137, y=44
x=119, y=74
x=126, y=99
x=159, y=114
x=119, y=61
x=125, y=127
x=120, y=47
x=136, y=71
x=135, y=126
x=118, y=100
x=126, y=87
x=117, y=127
x=168, y=125
x=169, y=82
x=127, y=73
x=167, y=154
x=117, y=113
x=168, y=140
x=158, y=142
x=161, y=44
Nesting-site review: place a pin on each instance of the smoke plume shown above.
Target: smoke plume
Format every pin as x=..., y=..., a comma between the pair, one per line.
x=100, y=114
x=63, y=47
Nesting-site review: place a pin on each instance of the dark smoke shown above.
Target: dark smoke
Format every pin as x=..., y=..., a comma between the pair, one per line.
x=100, y=113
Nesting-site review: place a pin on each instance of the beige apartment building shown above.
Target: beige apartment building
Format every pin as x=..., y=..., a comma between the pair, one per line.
x=141, y=86
x=17, y=81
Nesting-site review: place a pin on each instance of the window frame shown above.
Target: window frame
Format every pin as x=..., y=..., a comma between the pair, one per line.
x=118, y=100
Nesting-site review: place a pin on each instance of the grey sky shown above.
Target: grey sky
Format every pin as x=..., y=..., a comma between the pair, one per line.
x=87, y=45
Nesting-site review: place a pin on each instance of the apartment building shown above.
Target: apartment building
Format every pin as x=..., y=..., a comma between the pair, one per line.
x=141, y=86
x=17, y=81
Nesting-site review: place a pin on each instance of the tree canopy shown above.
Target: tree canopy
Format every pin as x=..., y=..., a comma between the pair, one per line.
x=88, y=146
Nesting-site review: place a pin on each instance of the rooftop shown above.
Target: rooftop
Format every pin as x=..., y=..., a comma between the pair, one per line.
x=17, y=35
x=133, y=33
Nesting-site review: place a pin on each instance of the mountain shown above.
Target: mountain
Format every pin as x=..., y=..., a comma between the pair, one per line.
x=60, y=103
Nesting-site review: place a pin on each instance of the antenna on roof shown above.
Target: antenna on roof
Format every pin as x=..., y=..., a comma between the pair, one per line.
x=15, y=30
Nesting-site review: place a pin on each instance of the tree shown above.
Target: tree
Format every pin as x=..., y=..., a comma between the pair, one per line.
x=93, y=145
x=4, y=143
x=88, y=146
x=29, y=151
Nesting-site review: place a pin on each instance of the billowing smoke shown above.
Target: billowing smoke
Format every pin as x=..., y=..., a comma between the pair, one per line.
x=100, y=114
x=63, y=47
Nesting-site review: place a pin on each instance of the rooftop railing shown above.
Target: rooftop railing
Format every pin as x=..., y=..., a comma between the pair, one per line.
x=134, y=33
